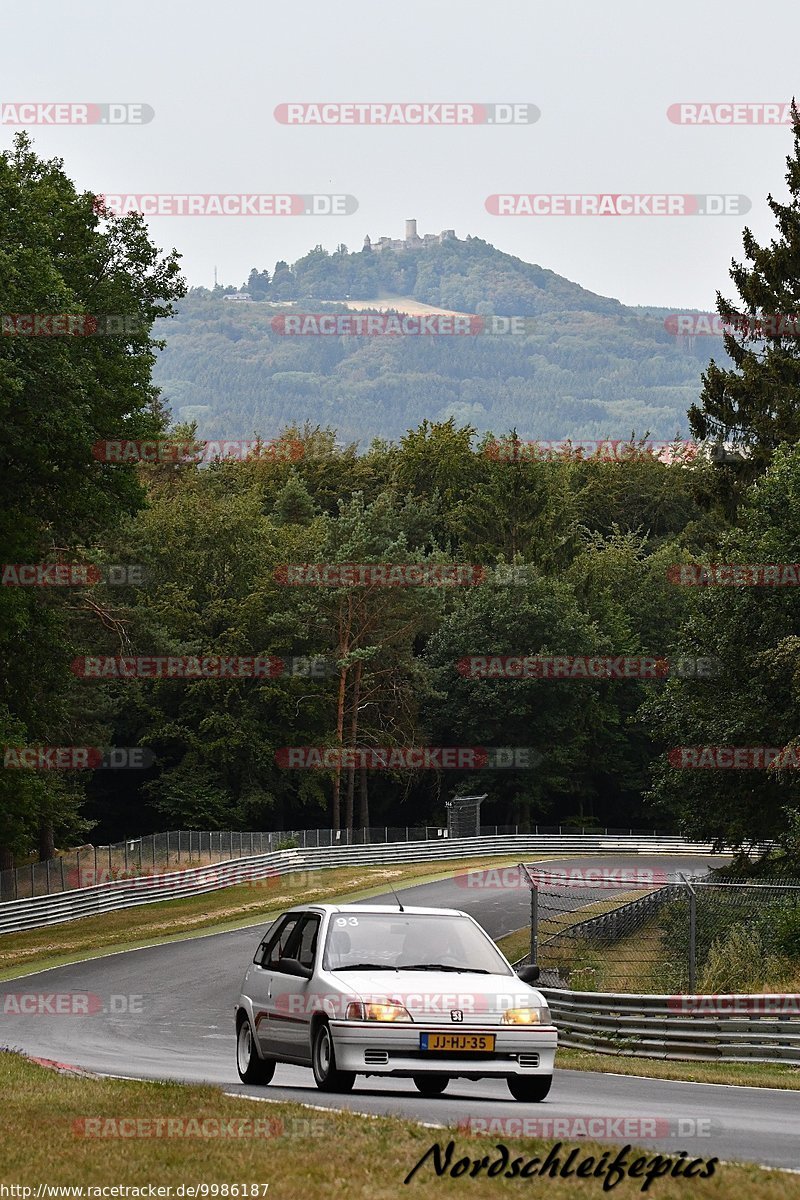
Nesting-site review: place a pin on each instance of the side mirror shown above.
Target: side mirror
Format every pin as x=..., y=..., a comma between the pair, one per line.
x=528, y=973
x=290, y=966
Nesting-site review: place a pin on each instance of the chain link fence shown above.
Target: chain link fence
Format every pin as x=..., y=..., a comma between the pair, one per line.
x=88, y=865
x=633, y=930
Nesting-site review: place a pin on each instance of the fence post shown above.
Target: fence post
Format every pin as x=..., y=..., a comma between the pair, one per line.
x=32, y=884
x=692, y=934
x=692, y=941
x=47, y=872
x=534, y=923
x=61, y=860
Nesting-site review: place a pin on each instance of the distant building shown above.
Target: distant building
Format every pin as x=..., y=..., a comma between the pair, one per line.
x=412, y=240
x=240, y=297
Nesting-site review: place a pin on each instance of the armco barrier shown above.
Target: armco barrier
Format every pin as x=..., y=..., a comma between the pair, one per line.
x=35, y=911
x=757, y=1028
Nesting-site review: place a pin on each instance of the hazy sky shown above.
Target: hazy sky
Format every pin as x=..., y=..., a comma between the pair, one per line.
x=603, y=77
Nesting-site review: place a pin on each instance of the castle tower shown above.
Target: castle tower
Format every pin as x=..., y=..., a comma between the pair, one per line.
x=411, y=231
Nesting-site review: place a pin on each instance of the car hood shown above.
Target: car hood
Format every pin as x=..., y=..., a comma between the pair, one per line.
x=434, y=996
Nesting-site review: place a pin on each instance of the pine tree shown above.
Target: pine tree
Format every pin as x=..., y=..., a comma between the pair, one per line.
x=756, y=403
x=293, y=504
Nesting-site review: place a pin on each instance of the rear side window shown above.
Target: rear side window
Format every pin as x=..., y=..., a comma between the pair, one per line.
x=304, y=943
x=274, y=944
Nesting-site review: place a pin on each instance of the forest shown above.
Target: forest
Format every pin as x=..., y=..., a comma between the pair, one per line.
x=318, y=605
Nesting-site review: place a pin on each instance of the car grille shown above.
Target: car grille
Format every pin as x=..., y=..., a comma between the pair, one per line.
x=376, y=1058
x=528, y=1060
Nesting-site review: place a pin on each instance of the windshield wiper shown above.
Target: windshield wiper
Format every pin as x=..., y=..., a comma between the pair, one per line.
x=364, y=967
x=443, y=967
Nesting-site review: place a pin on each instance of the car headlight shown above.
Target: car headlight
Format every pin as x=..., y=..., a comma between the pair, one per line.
x=526, y=1016
x=359, y=1011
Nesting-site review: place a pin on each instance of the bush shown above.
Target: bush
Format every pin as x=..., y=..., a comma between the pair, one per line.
x=739, y=961
x=287, y=844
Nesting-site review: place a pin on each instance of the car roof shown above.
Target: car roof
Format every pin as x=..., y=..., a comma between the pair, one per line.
x=392, y=909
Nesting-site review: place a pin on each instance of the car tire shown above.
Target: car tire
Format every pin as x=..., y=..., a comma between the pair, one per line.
x=323, y=1062
x=251, y=1067
x=529, y=1088
x=431, y=1085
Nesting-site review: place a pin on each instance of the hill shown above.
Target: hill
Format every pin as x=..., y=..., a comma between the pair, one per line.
x=586, y=366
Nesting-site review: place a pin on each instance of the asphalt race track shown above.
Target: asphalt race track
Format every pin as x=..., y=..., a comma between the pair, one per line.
x=167, y=1012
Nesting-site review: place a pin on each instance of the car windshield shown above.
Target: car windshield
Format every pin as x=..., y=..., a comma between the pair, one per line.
x=409, y=941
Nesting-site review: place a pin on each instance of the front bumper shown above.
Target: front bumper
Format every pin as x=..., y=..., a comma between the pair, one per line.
x=389, y=1048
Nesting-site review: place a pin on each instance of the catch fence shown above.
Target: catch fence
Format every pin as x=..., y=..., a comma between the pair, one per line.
x=644, y=931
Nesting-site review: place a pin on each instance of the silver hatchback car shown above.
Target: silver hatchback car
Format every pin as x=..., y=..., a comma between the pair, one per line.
x=419, y=993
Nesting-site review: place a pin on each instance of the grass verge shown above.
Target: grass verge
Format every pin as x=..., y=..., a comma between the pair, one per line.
x=295, y=1150
x=765, y=1075
x=229, y=908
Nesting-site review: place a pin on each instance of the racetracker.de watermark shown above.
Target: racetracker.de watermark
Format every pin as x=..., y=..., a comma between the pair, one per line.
x=71, y=574
x=583, y=667
x=168, y=450
x=199, y=1128
x=398, y=325
x=77, y=758
x=735, y=574
x=71, y=325
x=615, y=204
x=699, y=324
x=380, y=574
x=408, y=758
x=371, y=1006
x=604, y=449
x=200, y=666
x=513, y=878
x=407, y=112
x=68, y=1004
x=729, y=112
x=716, y=1004
x=71, y=112
x=226, y=204
x=735, y=758
x=590, y=1126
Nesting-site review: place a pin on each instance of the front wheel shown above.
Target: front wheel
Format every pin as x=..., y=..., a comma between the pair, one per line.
x=323, y=1063
x=431, y=1085
x=251, y=1068
x=530, y=1088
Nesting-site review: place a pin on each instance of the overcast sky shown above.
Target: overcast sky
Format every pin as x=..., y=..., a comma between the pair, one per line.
x=603, y=77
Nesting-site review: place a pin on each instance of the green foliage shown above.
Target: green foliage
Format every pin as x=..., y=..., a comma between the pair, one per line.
x=756, y=402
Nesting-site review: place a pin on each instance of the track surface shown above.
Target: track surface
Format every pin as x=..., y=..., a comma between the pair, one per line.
x=167, y=1012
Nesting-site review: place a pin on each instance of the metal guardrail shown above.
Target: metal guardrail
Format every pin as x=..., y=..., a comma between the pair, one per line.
x=609, y=926
x=36, y=911
x=754, y=1028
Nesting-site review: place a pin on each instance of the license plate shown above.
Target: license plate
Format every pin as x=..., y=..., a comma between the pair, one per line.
x=456, y=1042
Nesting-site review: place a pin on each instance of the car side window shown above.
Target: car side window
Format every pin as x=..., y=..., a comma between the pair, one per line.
x=304, y=943
x=274, y=945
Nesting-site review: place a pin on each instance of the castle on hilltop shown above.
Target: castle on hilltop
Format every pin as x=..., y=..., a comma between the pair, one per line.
x=412, y=240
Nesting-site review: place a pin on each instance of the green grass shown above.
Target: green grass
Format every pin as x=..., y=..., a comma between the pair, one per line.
x=299, y=1152
x=765, y=1075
